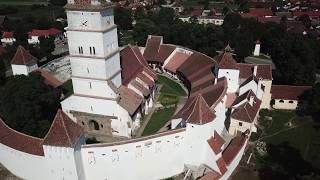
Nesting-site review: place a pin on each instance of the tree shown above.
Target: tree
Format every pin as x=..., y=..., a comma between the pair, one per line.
x=142, y=29
x=46, y=46
x=58, y=2
x=305, y=19
x=309, y=103
x=123, y=18
x=28, y=105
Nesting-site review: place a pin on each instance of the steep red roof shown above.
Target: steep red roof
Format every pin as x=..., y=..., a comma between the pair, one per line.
x=225, y=60
x=164, y=52
x=288, y=92
x=264, y=71
x=176, y=61
x=211, y=176
x=242, y=97
x=274, y=19
x=140, y=88
x=195, y=63
x=152, y=48
x=23, y=57
x=231, y=97
x=196, y=111
x=145, y=79
x=7, y=34
x=50, y=79
x=63, y=132
x=216, y=142
x=130, y=64
x=246, y=112
x=233, y=148
x=259, y=12
x=129, y=100
x=47, y=32
x=309, y=13
x=19, y=141
x=222, y=165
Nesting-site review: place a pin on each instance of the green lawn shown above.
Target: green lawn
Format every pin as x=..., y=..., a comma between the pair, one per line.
x=304, y=135
x=170, y=87
x=158, y=120
x=67, y=88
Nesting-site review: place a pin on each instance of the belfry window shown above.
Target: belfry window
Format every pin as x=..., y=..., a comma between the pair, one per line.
x=90, y=50
x=80, y=50
x=94, y=50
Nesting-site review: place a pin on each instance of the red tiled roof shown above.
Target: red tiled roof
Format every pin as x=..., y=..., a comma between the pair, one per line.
x=211, y=176
x=247, y=15
x=19, y=141
x=145, y=79
x=233, y=148
x=196, y=12
x=274, y=19
x=231, y=97
x=23, y=57
x=7, y=34
x=47, y=32
x=130, y=64
x=205, y=78
x=129, y=100
x=259, y=12
x=176, y=61
x=222, y=165
x=50, y=79
x=296, y=27
x=216, y=142
x=63, y=132
x=195, y=63
x=251, y=78
x=196, y=111
x=288, y=92
x=264, y=71
x=164, y=52
x=213, y=93
x=309, y=13
x=246, y=112
x=242, y=97
x=152, y=47
x=140, y=88
x=226, y=61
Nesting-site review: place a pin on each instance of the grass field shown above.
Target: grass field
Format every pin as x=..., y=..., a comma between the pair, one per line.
x=170, y=87
x=158, y=120
x=304, y=134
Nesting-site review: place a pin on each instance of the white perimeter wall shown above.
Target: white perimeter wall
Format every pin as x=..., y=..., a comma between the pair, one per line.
x=28, y=166
x=152, y=159
x=285, y=104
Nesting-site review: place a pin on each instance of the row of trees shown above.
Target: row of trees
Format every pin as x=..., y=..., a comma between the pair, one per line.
x=296, y=56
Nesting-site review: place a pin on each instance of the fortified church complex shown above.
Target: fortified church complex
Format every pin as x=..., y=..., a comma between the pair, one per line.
x=114, y=88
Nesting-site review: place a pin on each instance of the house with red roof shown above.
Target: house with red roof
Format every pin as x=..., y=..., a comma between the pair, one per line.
x=7, y=38
x=33, y=36
x=23, y=62
x=286, y=96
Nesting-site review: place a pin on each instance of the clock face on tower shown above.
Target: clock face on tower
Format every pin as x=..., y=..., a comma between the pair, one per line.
x=84, y=23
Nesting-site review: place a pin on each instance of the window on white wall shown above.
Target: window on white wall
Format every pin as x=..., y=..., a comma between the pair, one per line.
x=90, y=50
x=94, y=50
x=90, y=85
x=240, y=123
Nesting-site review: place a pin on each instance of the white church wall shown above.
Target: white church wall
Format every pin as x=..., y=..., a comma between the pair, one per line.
x=92, y=87
x=151, y=158
x=88, y=67
x=232, y=76
x=220, y=112
x=19, y=69
x=112, y=65
x=251, y=85
x=24, y=165
x=110, y=41
x=60, y=162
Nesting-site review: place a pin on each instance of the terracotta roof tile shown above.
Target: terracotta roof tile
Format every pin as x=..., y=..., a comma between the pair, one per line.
x=63, y=132
x=145, y=79
x=264, y=71
x=242, y=97
x=288, y=92
x=7, y=34
x=233, y=148
x=251, y=78
x=195, y=63
x=140, y=88
x=216, y=142
x=129, y=100
x=222, y=165
x=23, y=57
x=246, y=112
x=19, y=141
x=259, y=12
x=164, y=52
x=205, y=78
x=50, y=79
x=152, y=48
x=176, y=61
x=46, y=32
x=226, y=61
x=211, y=176
x=231, y=97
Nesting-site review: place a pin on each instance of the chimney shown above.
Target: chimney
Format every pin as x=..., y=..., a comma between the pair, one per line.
x=256, y=51
x=251, y=100
x=215, y=80
x=255, y=69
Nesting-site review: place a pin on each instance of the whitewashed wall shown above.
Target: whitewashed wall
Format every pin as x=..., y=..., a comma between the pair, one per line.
x=285, y=104
x=232, y=76
x=151, y=159
x=24, y=165
x=266, y=98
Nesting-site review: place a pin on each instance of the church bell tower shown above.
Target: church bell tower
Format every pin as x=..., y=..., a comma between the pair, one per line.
x=96, y=72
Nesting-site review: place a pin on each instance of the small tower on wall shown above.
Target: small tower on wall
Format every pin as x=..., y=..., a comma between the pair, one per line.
x=23, y=62
x=256, y=51
x=96, y=72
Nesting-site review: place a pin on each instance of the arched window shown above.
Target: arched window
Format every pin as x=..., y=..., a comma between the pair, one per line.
x=94, y=50
x=90, y=50
x=281, y=101
x=291, y=102
x=93, y=125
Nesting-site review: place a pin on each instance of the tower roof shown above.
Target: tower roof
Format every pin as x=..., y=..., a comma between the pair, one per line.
x=63, y=132
x=225, y=59
x=23, y=57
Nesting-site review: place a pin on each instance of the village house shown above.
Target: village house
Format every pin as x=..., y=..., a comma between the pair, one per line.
x=33, y=36
x=8, y=38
